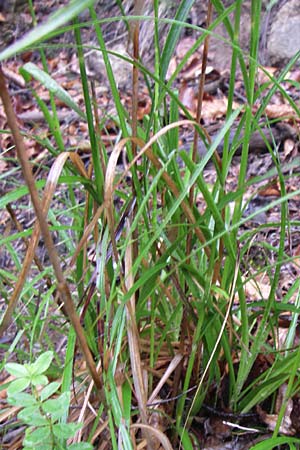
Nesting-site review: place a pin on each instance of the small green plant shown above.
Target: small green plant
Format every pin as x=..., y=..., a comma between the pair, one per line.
x=44, y=416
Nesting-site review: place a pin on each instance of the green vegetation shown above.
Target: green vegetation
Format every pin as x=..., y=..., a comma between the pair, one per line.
x=40, y=413
x=160, y=308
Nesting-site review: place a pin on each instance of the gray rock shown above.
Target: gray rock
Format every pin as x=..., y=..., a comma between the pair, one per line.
x=280, y=34
x=284, y=34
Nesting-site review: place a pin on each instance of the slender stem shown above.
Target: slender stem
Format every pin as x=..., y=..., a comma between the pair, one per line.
x=53, y=255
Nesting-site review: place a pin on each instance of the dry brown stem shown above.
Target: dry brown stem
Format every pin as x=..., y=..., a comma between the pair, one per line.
x=53, y=255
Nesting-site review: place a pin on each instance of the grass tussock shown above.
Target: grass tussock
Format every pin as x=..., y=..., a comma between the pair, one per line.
x=144, y=297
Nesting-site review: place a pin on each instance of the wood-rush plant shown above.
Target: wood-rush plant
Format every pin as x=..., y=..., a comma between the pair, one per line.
x=155, y=268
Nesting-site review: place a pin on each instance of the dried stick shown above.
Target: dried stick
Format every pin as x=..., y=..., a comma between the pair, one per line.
x=53, y=256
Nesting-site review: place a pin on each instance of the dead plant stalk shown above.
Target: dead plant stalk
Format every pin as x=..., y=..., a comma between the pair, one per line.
x=53, y=256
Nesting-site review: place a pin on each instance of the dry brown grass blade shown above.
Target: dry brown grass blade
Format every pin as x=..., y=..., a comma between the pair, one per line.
x=49, y=190
x=77, y=161
x=133, y=337
x=132, y=330
x=8, y=413
x=53, y=256
x=92, y=224
x=134, y=347
x=26, y=241
x=202, y=79
x=172, y=366
x=137, y=10
x=83, y=412
x=154, y=138
x=109, y=188
x=20, y=229
x=87, y=232
x=157, y=434
x=199, y=111
x=184, y=205
x=98, y=127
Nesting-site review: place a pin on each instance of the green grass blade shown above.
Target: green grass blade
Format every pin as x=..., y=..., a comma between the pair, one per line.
x=173, y=36
x=31, y=70
x=43, y=31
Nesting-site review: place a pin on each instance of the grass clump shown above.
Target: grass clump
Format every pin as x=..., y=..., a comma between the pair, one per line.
x=144, y=300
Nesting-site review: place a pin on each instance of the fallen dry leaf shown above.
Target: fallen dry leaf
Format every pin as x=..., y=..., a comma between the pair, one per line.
x=144, y=107
x=288, y=147
x=282, y=110
x=270, y=420
x=3, y=165
x=295, y=75
x=14, y=76
x=187, y=98
x=216, y=108
x=172, y=67
x=192, y=69
x=273, y=190
x=184, y=46
x=263, y=75
x=296, y=263
x=258, y=288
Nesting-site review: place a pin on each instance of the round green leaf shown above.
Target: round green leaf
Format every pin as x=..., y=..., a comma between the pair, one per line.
x=66, y=430
x=32, y=416
x=42, y=363
x=57, y=407
x=18, y=385
x=17, y=370
x=49, y=390
x=81, y=446
x=39, y=380
x=37, y=437
x=22, y=399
